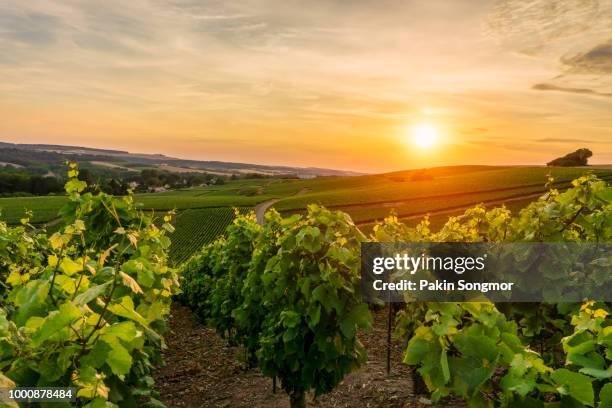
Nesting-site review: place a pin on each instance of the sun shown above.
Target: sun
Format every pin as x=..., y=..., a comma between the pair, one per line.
x=425, y=135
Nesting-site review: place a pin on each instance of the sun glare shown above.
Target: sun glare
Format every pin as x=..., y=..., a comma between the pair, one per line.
x=425, y=135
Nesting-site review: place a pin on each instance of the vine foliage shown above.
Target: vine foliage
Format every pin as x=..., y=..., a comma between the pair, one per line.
x=288, y=291
x=516, y=355
x=86, y=306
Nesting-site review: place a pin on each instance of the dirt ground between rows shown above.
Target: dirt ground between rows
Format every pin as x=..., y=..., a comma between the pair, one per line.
x=202, y=370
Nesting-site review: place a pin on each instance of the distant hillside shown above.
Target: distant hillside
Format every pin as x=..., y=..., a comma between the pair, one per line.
x=49, y=155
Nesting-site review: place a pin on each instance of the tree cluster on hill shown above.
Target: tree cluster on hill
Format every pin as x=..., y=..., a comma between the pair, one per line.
x=17, y=181
x=577, y=158
x=22, y=183
x=149, y=179
x=109, y=183
x=254, y=175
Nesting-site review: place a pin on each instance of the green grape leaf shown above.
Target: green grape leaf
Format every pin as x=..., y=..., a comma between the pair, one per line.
x=605, y=396
x=444, y=365
x=30, y=301
x=90, y=294
x=597, y=373
x=576, y=385
x=119, y=359
x=70, y=267
x=56, y=323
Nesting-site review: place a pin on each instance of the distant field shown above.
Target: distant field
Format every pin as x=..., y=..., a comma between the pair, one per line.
x=437, y=220
x=369, y=213
x=401, y=185
x=195, y=228
x=239, y=193
x=204, y=212
x=44, y=208
x=379, y=192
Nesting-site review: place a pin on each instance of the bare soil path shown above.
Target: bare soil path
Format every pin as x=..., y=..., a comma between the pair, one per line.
x=261, y=208
x=202, y=370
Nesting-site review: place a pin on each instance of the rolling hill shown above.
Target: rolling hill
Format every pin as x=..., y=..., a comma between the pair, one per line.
x=39, y=155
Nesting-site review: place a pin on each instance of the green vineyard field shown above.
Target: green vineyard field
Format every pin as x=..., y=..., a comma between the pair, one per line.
x=197, y=227
x=365, y=198
x=336, y=192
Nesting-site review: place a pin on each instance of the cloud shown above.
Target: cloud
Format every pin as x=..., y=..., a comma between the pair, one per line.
x=530, y=26
x=30, y=28
x=219, y=16
x=584, y=91
x=576, y=33
x=598, y=60
x=564, y=140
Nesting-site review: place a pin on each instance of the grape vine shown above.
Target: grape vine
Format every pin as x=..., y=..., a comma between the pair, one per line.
x=289, y=293
x=86, y=306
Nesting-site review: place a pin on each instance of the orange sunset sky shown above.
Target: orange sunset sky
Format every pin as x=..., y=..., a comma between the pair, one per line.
x=339, y=84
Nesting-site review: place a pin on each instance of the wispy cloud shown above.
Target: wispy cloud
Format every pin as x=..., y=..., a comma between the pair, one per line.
x=583, y=91
x=565, y=140
x=534, y=26
x=33, y=28
x=597, y=60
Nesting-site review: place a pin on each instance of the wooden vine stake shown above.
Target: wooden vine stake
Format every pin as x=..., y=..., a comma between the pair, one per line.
x=389, y=323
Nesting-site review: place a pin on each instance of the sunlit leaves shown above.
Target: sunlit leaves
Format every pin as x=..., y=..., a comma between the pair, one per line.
x=56, y=324
x=575, y=385
x=90, y=294
x=70, y=267
x=482, y=353
x=82, y=302
x=289, y=291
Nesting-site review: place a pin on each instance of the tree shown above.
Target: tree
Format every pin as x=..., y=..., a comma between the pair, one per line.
x=577, y=158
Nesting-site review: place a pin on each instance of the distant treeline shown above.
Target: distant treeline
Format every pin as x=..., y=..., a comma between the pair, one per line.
x=152, y=178
x=17, y=181
x=25, y=184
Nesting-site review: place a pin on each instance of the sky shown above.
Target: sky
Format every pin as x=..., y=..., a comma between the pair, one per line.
x=338, y=84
